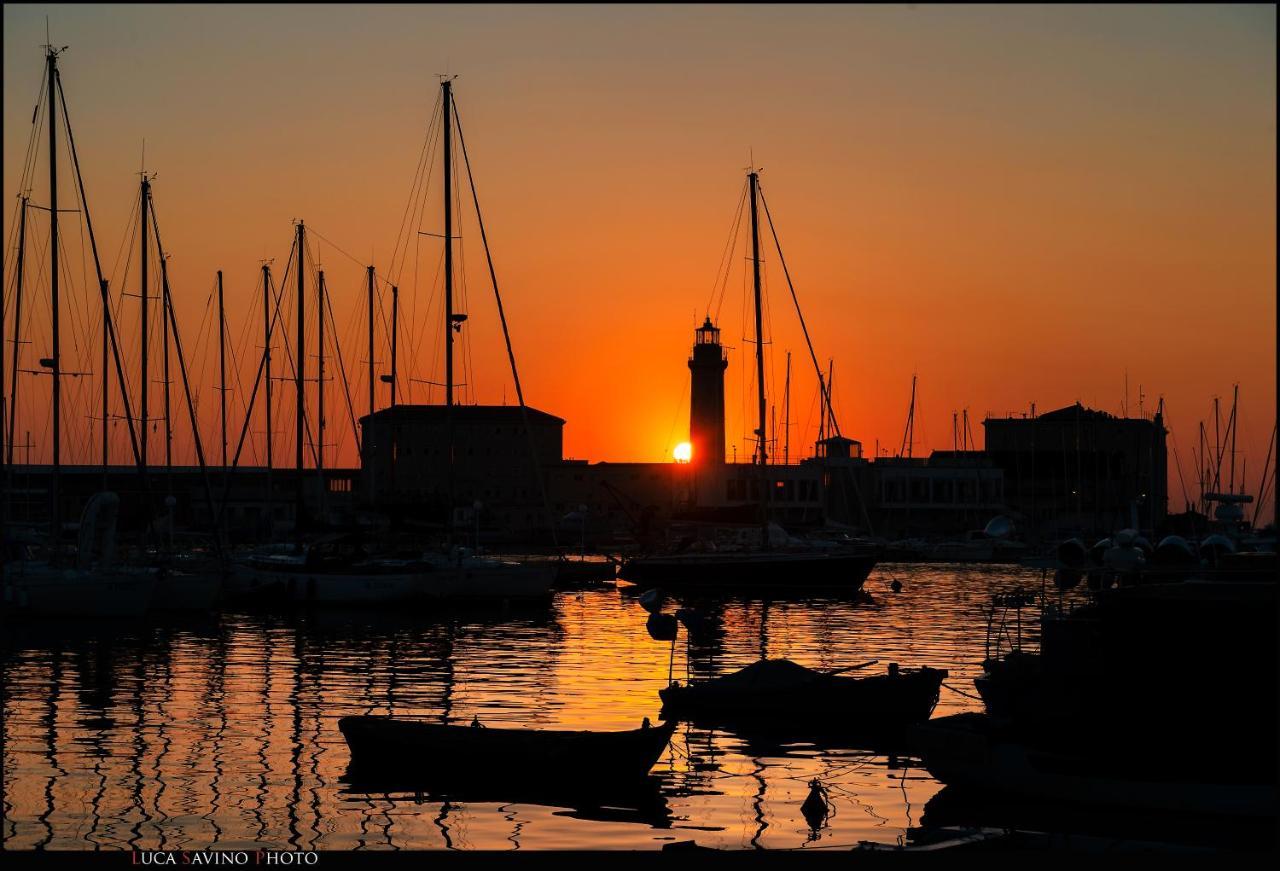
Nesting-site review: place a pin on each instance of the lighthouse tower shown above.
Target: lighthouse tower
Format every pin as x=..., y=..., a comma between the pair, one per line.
x=706, y=397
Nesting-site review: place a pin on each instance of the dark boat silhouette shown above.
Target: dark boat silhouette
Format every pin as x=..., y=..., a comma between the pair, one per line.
x=780, y=691
x=632, y=800
x=767, y=562
x=414, y=747
x=993, y=756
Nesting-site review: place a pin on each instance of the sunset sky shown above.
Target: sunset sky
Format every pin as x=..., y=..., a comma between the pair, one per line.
x=1018, y=204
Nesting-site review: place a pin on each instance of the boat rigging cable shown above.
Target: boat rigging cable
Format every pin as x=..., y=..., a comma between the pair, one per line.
x=110, y=321
x=506, y=333
x=186, y=385
x=268, y=290
x=795, y=299
x=824, y=384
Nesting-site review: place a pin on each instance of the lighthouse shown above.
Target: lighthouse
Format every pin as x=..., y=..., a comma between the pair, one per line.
x=706, y=397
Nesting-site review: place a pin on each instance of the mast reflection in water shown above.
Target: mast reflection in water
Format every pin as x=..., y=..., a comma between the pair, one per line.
x=224, y=734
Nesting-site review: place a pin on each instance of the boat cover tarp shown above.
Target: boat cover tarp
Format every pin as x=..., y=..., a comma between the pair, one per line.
x=771, y=674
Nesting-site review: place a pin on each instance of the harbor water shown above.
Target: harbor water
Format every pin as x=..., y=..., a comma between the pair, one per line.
x=221, y=733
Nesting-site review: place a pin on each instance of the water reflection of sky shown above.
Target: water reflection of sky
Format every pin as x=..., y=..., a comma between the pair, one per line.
x=223, y=733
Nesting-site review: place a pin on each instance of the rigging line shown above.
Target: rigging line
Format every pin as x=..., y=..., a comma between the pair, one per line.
x=418, y=197
x=12, y=246
x=203, y=333
x=342, y=369
x=293, y=368
x=506, y=333
x=423, y=164
x=312, y=231
x=115, y=348
x=418, y=331
x=804, y=327
x=728, y=265
x=37, y=122
x=127, y=245
x=724, y=267
x=414, y=323
x=1264, y=484
x=268, y=289
x=167, y=309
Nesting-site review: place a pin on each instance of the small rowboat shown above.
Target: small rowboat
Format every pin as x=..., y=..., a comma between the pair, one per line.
x=777, y=690
x=478, y=752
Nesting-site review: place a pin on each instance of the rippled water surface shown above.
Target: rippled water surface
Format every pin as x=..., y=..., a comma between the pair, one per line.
x=222, y=733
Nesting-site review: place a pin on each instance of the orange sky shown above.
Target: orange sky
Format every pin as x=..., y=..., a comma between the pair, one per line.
x=1017, y=204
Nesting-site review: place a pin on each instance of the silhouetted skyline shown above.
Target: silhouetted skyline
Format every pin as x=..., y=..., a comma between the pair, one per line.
x=1018, y=204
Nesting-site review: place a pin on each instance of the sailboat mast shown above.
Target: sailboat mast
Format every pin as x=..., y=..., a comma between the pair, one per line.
x=266, y=354
x=760, y=431
x=832, y=429
x=395, y=333
x=371, y=379
x=55, y=515
x=786, y=416
x=911, y=420
x=447, y=89
x=17, y=320
x=222, y=367
x=145, y=408
x=1217, y=446
x=164, y=323
x=1235, y=397
x=301, y=354
x=106, y=313
x=320, y=385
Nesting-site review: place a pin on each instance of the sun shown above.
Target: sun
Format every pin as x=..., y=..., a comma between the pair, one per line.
x=683, y=452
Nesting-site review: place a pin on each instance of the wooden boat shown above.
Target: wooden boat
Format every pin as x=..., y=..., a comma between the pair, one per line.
x=990, y=756
x=773, y=570
x=415, y=747
x=779, y=689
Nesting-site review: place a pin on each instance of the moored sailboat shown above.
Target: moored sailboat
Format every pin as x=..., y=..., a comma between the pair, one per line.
x=769, y=563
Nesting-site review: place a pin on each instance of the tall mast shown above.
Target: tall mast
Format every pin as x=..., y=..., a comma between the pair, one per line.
x=17, y=320
x=56, y=514
x=447, y=90
x=371, y=380
x=301, y=365
x=786, y=416
x=1235, y=396
x=144, y=407
x=1198, y=453
x=266, y=354
x=909, y=437
x=831, y=398
x=222, y=367
x=164, y=323
x=106, y=313
x=395, y=333
x=760, y=431
x=320, y=386
x=822, y=409
x=449, y=316
x=1217, y=446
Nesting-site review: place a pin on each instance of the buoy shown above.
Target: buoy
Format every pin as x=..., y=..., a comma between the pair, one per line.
x=651, y=600
x=896, y=586
x=815, y=807
x=662, y=627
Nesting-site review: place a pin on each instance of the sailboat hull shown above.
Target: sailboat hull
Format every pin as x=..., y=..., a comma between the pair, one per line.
x=771, y=571
x=41, y=590
x=501, y=581
x=325, y=588
x=192, y=590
